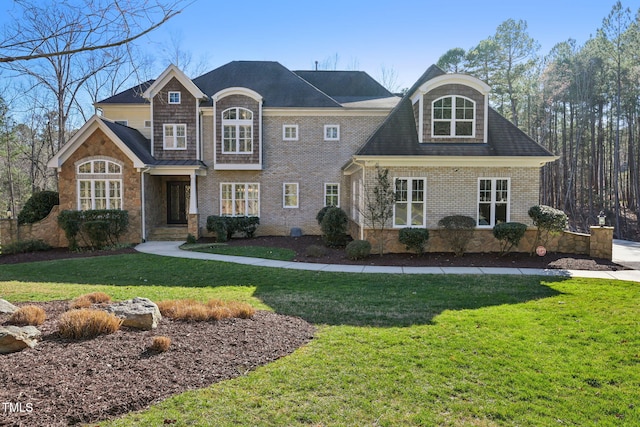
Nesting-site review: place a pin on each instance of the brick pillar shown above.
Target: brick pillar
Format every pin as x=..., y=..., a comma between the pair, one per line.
x=193, y=227
x=601, y=242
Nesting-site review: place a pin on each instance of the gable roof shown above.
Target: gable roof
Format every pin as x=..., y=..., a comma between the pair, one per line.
x=130, y=96
x=93, y=124
x=278, y=86
x=173, y=72
x=398, y=135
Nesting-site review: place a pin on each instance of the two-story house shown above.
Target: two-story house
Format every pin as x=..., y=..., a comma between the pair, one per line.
x=254, y=138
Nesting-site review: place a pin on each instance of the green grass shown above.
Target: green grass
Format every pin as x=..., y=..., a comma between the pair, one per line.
x=392, y=350
x=280, y=254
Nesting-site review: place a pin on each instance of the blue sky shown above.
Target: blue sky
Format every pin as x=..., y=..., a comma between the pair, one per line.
x=406, y=36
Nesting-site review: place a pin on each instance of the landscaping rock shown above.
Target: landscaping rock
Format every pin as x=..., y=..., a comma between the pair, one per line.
x=138, y=313
x=6, y=307
x=16, y=338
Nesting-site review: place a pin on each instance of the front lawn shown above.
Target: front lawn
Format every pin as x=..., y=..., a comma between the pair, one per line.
x=391, y=350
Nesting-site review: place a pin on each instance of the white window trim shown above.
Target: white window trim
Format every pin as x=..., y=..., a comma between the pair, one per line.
x=93, y=162
x=236, y=123
x=492, y=217
x=107, y=182
x=174, y=93
x=409, y=201
x=284, y=132
x=285, y=194
x=326, y=184
x=175, y=136
x=452, y=122
x=233, y=195
x=337, y=138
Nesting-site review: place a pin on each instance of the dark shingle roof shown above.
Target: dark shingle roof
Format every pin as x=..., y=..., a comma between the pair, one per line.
x=141, y=146
x=129, y=96
x=278, y=86
x=132, y=139
x=346, y=86
x=398, y=135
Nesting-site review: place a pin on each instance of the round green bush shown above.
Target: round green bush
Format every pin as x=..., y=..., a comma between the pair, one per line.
x=38, y=207
x=358, y=249
x=509, y=234
x=334, y=226
x=415, y=239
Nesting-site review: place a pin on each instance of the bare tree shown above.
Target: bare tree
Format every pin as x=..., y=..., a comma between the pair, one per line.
x=96, y=25
x=389, y=78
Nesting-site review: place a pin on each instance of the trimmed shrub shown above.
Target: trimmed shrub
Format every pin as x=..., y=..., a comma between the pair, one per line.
x=358, y=249
x=85, y=324
x=509, y=234
x=191, y=239
x=321, y=213
x=415, y=239
x=38, y=207
x=28, y=315
x=458, y=231
x=94, y=228
x=315, y=251
x=334, y=226
x=549, y=221
x=24, y=246
x=160, y=344
x=226, y=226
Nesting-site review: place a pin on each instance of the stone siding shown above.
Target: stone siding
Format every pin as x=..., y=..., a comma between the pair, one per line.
x=597, y=245
x=98, y=146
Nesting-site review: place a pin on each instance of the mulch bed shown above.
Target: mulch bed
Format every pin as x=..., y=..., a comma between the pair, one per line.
x=511, y=260
x=338, y=256
x=62, y=382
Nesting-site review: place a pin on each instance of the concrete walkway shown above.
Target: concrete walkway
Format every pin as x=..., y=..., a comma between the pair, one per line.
x=625, y=253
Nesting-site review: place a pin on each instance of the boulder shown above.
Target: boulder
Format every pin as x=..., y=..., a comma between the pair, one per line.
x=6, y=307
x=16, y=338
x=138, y=313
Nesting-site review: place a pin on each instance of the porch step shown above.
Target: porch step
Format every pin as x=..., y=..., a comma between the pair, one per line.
x=170, y=233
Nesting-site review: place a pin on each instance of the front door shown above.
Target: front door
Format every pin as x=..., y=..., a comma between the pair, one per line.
x=177, y=201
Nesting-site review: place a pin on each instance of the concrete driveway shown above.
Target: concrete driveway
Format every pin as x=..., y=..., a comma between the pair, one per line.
x=626, y=253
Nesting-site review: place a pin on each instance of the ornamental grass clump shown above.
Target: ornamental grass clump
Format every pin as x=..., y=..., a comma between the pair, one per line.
x=160, y=344
x=86, y=324
x=28, y=315
x=191, y=310
x=87, y=300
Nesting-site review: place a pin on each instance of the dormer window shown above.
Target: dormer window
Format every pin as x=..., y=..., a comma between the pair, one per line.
x=237, y=131
x=174, y=97
x=453, y=116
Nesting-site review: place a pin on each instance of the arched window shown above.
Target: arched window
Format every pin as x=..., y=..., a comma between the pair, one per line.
x=99, y=185
x=453, y=116
x=237, y=131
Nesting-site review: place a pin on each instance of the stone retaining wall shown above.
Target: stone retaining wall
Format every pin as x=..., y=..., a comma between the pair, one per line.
x=598, y=244
x=46, y=230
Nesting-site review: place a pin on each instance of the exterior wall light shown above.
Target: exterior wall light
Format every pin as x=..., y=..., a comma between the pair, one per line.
x=602, y=218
